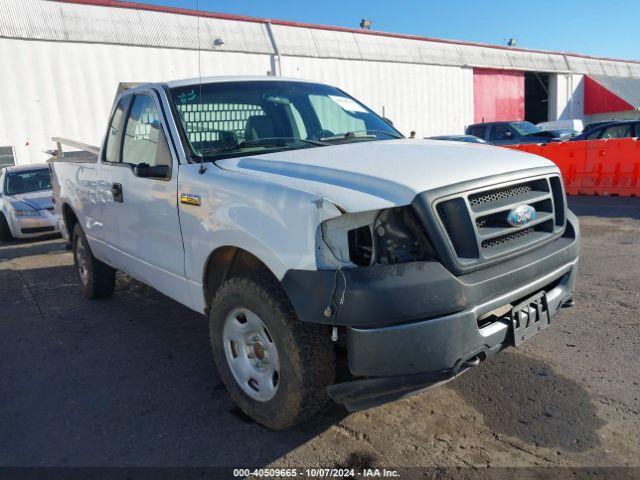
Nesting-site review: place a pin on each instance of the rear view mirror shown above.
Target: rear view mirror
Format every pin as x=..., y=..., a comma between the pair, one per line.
x=144, y=170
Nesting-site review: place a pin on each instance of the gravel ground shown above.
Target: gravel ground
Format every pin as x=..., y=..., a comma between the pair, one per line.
x=130, y=380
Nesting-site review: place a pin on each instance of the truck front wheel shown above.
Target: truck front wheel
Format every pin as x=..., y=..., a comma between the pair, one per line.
x=275, y=367
x=97, y=279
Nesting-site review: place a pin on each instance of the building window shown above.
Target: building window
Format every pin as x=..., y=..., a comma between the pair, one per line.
x=7, y=156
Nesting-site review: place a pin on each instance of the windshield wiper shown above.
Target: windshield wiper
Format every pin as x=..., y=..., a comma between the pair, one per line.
x=354, y=134
x=265, y=142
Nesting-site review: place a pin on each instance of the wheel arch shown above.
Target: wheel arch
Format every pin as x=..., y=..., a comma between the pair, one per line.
x=226, y=262
x=70, y=219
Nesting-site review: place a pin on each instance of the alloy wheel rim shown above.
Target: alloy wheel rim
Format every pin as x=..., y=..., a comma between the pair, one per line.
x=251, y=354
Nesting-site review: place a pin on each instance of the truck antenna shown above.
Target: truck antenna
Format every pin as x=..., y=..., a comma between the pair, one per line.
x=202, y=168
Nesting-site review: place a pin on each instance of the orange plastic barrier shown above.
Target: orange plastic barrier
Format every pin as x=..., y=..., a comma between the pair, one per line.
x=594, y=167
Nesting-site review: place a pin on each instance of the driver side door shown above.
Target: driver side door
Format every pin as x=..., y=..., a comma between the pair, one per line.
x=149, y=241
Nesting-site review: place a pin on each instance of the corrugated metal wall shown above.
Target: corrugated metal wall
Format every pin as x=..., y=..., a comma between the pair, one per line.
x=428, y=99
x=66, y=89
x=63, y=62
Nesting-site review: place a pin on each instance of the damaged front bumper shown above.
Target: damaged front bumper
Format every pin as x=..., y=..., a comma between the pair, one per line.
x=413, y=326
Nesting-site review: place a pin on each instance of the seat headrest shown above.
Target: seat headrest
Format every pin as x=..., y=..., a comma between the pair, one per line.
x=259, y=126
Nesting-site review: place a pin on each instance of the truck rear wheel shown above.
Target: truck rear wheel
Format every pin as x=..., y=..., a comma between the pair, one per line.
x=275, y=367
x=5, y=231
x=97, y=279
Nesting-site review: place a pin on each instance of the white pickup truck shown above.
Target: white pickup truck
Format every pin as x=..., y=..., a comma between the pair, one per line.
x=308, y=230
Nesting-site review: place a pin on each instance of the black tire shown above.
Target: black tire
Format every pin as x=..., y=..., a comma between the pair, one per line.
x=5, y=231
x=97, y=280
x=305, y=351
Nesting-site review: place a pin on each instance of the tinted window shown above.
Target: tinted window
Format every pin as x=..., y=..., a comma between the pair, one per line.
x=500, y=132
x=525, y=128
x=27, y=181
x=617, y=131
x=144, y=140
x=478, y=131
x=114, y=135
x=595, y=135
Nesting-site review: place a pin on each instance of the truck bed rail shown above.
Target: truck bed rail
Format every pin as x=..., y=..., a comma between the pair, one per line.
x=84, y=153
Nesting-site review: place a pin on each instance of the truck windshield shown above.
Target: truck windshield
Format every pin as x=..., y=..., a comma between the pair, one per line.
x=525, y=128
x=222, y=120
x=27, y=181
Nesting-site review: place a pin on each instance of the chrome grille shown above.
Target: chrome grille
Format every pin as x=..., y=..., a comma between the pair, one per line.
x=475, y=222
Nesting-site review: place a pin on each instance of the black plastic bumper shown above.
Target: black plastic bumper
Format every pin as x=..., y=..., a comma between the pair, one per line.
x=409, y=327
x=383, y=295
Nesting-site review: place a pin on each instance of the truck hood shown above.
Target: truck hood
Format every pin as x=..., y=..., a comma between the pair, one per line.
x=381, y=174
x=36, y=200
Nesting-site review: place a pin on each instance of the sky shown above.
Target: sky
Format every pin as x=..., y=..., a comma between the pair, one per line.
x=591, y=27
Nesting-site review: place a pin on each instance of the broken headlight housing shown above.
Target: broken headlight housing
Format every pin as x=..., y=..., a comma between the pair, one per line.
x=385, y=237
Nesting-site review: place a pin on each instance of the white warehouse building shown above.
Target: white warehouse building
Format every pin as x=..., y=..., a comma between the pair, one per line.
x=64, y=60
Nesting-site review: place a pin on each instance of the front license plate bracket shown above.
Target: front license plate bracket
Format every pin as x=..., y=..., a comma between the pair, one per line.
x=529, y=317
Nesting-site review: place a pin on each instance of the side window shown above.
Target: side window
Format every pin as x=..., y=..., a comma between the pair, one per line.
x=7, y=156
x=618, y=131
x=595, y=135
x=478, y=131
x=333, y=117
x=114, y=135
x=500, y=132
x=144, y=140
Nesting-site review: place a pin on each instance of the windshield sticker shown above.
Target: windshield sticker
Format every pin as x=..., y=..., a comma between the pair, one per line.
x=185, y=97
x=348, y=104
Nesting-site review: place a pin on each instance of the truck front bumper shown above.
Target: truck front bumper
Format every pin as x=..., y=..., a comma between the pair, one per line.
x=411, y=326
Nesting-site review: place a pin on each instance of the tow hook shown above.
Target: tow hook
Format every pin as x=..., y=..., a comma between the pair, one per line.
x=569, y=303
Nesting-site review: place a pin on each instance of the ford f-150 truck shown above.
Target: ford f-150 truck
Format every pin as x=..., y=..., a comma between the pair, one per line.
x=312, y=234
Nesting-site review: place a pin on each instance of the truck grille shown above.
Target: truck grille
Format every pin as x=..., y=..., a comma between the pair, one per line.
x=475, y=223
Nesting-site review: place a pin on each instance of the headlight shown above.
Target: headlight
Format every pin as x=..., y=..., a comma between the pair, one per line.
x=381, y=237
x=26, y=213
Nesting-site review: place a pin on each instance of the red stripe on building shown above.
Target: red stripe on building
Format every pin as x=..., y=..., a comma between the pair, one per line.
x=598, y=99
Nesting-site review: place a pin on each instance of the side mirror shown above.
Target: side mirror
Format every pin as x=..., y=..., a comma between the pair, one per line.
x=508, y=134
x=388, y=120
x=143, y=170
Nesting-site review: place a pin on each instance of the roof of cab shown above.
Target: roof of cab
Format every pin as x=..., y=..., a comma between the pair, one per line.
x=233, y=78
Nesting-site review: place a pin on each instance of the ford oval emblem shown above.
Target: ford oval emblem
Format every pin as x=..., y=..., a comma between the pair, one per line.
x=521, y=215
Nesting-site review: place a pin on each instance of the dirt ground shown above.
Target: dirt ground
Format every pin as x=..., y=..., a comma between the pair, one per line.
x=130, y=380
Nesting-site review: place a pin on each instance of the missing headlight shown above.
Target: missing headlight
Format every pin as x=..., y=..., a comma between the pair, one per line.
x=399, y=237
x=380, y=237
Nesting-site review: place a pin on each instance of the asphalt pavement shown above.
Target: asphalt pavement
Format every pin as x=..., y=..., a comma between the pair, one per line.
x=130, y=380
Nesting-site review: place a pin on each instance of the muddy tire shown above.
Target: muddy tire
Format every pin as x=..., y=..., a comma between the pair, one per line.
x=5, y=231
x=97, y=279
x=275, y=367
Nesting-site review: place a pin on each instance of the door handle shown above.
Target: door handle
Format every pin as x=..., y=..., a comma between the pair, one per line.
x=116, y=192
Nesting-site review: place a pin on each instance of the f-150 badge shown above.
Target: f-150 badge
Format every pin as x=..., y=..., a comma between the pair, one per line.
x=190, y=199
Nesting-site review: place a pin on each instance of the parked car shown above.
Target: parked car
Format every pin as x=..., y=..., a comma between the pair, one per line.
x=458, y=138
x=591, y=126
x=26, y=208
x=304, y=226
x=611, y=130
x=510, y=133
